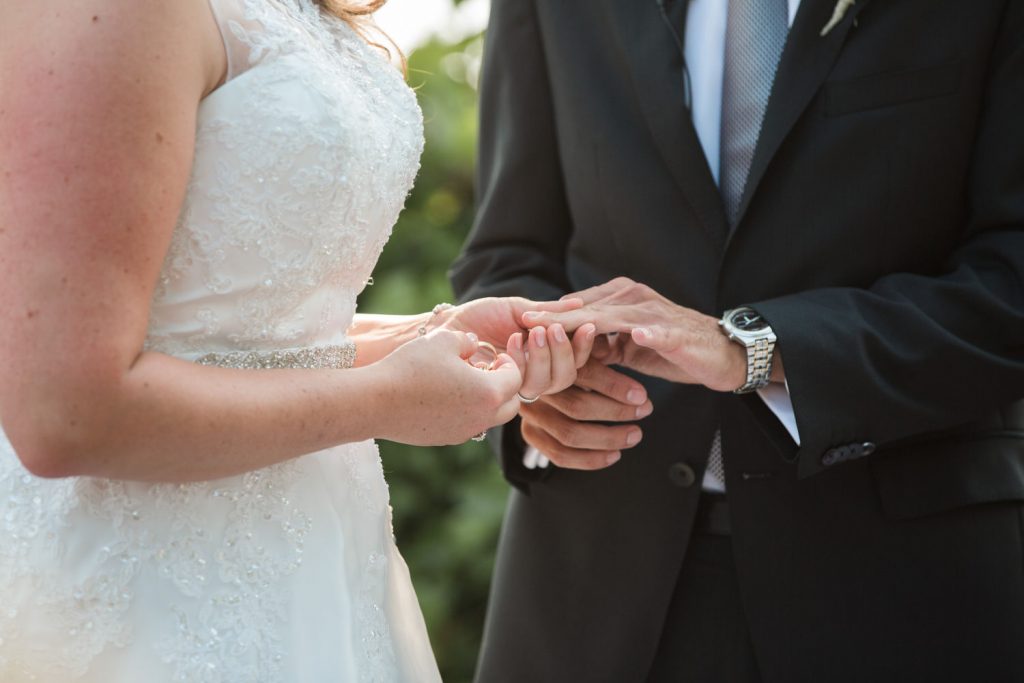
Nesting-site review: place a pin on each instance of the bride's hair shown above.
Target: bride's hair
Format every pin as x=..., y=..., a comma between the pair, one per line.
x=358, y=15
x=352, y=11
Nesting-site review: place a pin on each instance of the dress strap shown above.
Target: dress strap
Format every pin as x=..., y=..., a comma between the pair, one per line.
x=231, y=20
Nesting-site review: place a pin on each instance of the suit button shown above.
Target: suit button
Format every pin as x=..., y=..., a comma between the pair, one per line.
x=682, y=475
x=851, y=451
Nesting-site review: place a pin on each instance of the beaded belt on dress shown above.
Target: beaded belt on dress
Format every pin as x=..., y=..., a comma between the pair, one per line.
x=338, y=356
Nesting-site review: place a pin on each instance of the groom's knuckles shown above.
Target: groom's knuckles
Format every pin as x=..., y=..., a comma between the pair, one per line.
x=585, y=461
x=602, y=379
x=604, y=290
x=572, y=433
x=586, y=435
x=561, y=455
x=584, y=405
x=574, y=403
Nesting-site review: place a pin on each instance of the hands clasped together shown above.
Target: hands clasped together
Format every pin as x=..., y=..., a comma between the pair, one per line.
x=553, y=364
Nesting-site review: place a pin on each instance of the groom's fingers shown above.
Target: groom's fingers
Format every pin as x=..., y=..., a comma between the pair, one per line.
x=598, y=377
x=591, y=406
x=572, y=320
x=577, y=434
x=601, y=291
x=654, y=337
x=566, y=303
x=563, y=427
x=565, y=456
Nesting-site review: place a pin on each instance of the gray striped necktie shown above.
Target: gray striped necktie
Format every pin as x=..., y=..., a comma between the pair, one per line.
x=754, y=36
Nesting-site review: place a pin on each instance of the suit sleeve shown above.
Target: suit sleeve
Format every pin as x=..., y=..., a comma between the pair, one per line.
x=518, y=242
x=915, y=354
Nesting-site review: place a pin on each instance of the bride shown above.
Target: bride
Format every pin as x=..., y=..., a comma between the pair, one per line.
x=192, y=195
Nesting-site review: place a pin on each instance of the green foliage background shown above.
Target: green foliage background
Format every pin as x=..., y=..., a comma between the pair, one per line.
x=448, y=501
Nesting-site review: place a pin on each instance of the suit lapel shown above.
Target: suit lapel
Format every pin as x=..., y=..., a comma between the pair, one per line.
x=656, y=67
x=806, y=61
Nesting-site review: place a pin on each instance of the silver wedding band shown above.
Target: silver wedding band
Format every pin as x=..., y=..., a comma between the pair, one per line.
x=527, y=400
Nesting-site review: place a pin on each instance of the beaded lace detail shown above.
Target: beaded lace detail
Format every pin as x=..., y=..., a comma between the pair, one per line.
x=303, y=161
x=337, y=357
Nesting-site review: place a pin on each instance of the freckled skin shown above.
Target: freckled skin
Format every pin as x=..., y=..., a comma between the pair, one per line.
x=87, y=211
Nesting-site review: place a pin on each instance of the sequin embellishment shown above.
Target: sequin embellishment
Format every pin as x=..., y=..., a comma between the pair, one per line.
x=339, y=356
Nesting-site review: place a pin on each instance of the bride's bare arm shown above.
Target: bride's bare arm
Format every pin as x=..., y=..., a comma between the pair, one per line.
x=98, y=104
x=377, y=335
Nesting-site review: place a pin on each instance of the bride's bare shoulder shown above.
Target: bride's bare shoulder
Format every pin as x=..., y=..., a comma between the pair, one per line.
x=91, y=36
x=98, y=109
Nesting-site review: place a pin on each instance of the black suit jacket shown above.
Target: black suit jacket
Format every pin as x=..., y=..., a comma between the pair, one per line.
x=881, y=234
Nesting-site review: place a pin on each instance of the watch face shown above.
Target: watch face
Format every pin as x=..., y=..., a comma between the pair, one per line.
x=748, y=321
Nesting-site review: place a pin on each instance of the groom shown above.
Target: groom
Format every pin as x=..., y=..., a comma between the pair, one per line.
x=844, y=182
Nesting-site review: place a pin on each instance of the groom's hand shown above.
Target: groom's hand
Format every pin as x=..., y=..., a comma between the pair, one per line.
x=659, y=338
x=566, y=426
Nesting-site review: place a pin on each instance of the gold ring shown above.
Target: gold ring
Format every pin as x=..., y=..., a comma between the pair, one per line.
x=488, y=346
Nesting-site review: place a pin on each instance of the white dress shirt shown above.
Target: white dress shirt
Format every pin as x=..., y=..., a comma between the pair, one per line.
x=705, y=59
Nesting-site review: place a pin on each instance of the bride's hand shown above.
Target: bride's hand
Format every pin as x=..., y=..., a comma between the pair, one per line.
x=495, y=319
x=548, y=359
x=434, y=396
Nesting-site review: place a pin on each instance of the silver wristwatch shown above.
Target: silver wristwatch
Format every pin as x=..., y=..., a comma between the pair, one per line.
x=746, y=326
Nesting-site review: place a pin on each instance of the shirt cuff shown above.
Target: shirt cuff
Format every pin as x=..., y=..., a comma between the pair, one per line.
x=776, y=397
x=534, y=459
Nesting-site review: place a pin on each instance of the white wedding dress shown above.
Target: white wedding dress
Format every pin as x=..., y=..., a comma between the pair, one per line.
x=303, y=160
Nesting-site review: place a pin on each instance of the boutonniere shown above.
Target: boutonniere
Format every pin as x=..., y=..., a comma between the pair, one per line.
x=837, y=15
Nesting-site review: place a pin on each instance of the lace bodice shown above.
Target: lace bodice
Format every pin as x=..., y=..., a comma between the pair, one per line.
x=303, y=161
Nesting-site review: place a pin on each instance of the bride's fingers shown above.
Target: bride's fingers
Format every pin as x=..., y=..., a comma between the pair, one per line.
x=508, y=377
x=563, y=364
x=514, y=348
x=508, y=410
x=466, y=344
x=537, y=376
x=583, y=344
